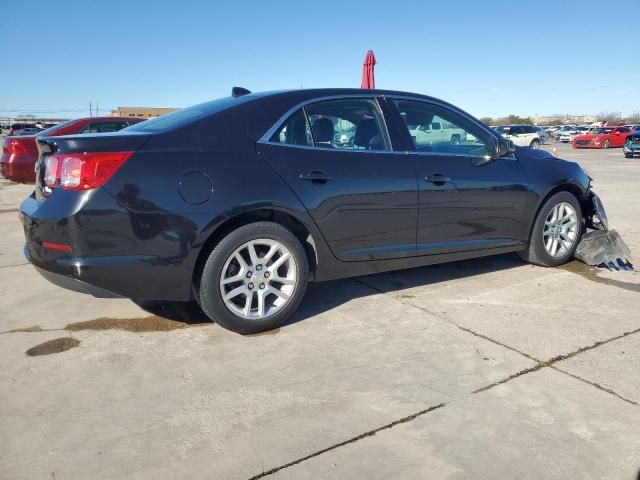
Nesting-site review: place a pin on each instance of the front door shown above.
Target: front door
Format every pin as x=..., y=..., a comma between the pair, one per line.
x=336, y=155
x=465, y=201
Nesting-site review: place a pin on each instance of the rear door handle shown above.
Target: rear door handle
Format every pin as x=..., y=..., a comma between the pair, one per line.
x=437, y=179
x=316, y=176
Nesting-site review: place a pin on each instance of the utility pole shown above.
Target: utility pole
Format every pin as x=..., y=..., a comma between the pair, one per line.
x=90, y=110
x=97, y=110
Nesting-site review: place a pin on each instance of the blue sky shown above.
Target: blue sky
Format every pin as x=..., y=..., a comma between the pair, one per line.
x=488, y=57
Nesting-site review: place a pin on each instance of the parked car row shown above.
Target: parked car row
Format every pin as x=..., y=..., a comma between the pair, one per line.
x=579, y=136
x=20, y=151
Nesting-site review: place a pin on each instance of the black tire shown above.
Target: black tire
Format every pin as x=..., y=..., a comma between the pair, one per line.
x=210, y=297
x=535, y=144
x=535, y=252
x=606, y=144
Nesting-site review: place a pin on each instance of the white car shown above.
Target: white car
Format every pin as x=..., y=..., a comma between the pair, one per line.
x=521, y=135
x=565, y=132
x=437, y=132
x=544, y=135
x=569, y=135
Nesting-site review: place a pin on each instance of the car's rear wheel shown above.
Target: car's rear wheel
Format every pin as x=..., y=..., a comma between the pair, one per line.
x=535, y=144
x=606, y=144
x=556, y=231
x=254, y=279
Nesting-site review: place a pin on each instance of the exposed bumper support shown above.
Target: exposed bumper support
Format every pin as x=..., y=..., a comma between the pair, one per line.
x=602, y=247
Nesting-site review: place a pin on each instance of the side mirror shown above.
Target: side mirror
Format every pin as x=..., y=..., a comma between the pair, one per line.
x=505, y=147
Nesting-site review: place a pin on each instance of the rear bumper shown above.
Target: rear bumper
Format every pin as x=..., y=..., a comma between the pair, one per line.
x=74, y=284
x=18, y=168
x=105, y=258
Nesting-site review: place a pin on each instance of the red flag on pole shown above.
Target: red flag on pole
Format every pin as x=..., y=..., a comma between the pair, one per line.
x=368, y=80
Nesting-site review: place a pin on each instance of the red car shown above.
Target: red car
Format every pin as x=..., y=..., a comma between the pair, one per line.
x=19, y=154
x=602, y=137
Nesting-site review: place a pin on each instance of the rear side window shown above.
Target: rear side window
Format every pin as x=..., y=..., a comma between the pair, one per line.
x=294, y=131
x=345, y=124
x=348, y=124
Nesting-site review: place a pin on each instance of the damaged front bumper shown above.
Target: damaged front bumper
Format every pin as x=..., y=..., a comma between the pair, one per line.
x=601, y=247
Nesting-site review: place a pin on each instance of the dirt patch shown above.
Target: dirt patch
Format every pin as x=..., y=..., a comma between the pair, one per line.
x=9, y=210
x=592, y=274
x=37, y=328
x=57, y=345
x=146, y=324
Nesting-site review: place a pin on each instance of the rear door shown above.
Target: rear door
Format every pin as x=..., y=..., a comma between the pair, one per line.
x=360, y=192
x=465, y=202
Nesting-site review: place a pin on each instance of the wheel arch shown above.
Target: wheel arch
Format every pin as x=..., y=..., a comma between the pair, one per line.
x=300, y=229
x=571, y=186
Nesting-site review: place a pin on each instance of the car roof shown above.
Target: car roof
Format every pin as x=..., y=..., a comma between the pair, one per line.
x=310, y=93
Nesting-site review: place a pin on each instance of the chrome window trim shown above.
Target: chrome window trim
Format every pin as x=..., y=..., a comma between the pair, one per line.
x=266, y=137
x=334, y=150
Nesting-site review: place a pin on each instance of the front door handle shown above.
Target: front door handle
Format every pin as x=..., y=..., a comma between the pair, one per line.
x=437, y=179
x=316, y=176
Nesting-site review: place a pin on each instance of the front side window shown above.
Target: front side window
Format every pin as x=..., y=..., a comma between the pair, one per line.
x=437, y=130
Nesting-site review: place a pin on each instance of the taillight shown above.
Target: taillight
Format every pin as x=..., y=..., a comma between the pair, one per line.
x=51, y=171
x=14, y=146
x=82, y=171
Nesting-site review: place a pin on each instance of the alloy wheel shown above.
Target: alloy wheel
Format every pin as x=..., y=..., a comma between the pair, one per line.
x=560, y=230
x=258, y=279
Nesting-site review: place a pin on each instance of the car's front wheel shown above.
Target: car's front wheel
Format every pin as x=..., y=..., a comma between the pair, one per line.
x=556, y=231
x=254, y=279
x=606, y=144
x=535, y=144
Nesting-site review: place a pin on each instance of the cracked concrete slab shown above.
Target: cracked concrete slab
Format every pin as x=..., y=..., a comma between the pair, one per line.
x=615, y=366
x=30, y=300
x=540, y=425
x=220, y=405
x=12, y=238
x=543, y=312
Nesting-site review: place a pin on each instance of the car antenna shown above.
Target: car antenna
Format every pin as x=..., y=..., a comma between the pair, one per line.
x=239, y=91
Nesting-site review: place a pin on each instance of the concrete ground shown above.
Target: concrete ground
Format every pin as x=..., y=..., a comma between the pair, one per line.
x=483, y=369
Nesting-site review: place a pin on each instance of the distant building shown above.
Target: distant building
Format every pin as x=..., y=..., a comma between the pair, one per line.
x=141, y=112
x=558, y=119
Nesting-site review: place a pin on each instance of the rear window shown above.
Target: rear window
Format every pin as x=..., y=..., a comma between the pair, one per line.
x=55, y=128
x=186, y=116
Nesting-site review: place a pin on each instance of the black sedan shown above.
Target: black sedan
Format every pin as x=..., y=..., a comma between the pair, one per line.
x=239, y=202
